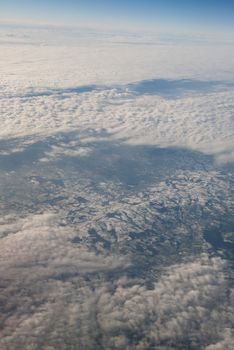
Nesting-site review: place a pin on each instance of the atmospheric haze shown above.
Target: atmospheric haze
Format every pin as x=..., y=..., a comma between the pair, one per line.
x=116, y=187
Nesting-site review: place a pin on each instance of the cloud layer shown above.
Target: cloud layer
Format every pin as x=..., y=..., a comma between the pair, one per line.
x=56, y=295
x=116, y=153
x=80, y=80
x=201, y=122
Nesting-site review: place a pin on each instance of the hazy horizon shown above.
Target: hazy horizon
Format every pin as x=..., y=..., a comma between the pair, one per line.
x=199, y=15
x=116, y=175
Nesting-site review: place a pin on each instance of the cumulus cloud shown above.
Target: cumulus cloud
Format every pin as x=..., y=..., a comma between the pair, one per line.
x=106, y=90
x=72, y=149
x=187, y=306
x=57, y=294
x=200, y=122
x=226, y=343
x=76, y=274
x=40, y=266
x=40, y=241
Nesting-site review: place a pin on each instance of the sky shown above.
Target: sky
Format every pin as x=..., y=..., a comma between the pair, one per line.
x=217, y=14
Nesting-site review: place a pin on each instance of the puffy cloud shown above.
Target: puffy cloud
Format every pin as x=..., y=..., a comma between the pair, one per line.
x=200, y=122
x=226, y=343
x=187, y=306
x=41, y=241
x=45, y=286
x=61, y=288
x=105, y=89
x=71, y=149
x=58, y=294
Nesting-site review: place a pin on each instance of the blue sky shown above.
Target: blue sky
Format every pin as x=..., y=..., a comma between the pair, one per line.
x=198, y=13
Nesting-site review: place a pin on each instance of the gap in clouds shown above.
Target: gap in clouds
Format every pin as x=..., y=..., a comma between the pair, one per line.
x=107, y=240
x=84, y=173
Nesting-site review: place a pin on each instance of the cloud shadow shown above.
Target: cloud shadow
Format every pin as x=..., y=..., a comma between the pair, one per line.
x=166, y=88
x=177, y=88
x=60, y=92
x=132, y=166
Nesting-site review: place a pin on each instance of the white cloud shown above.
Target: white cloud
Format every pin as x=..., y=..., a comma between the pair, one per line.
x=56, y=291
x=39, y=240
x=41, y=89
x=188, y=304
x=203, y=123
